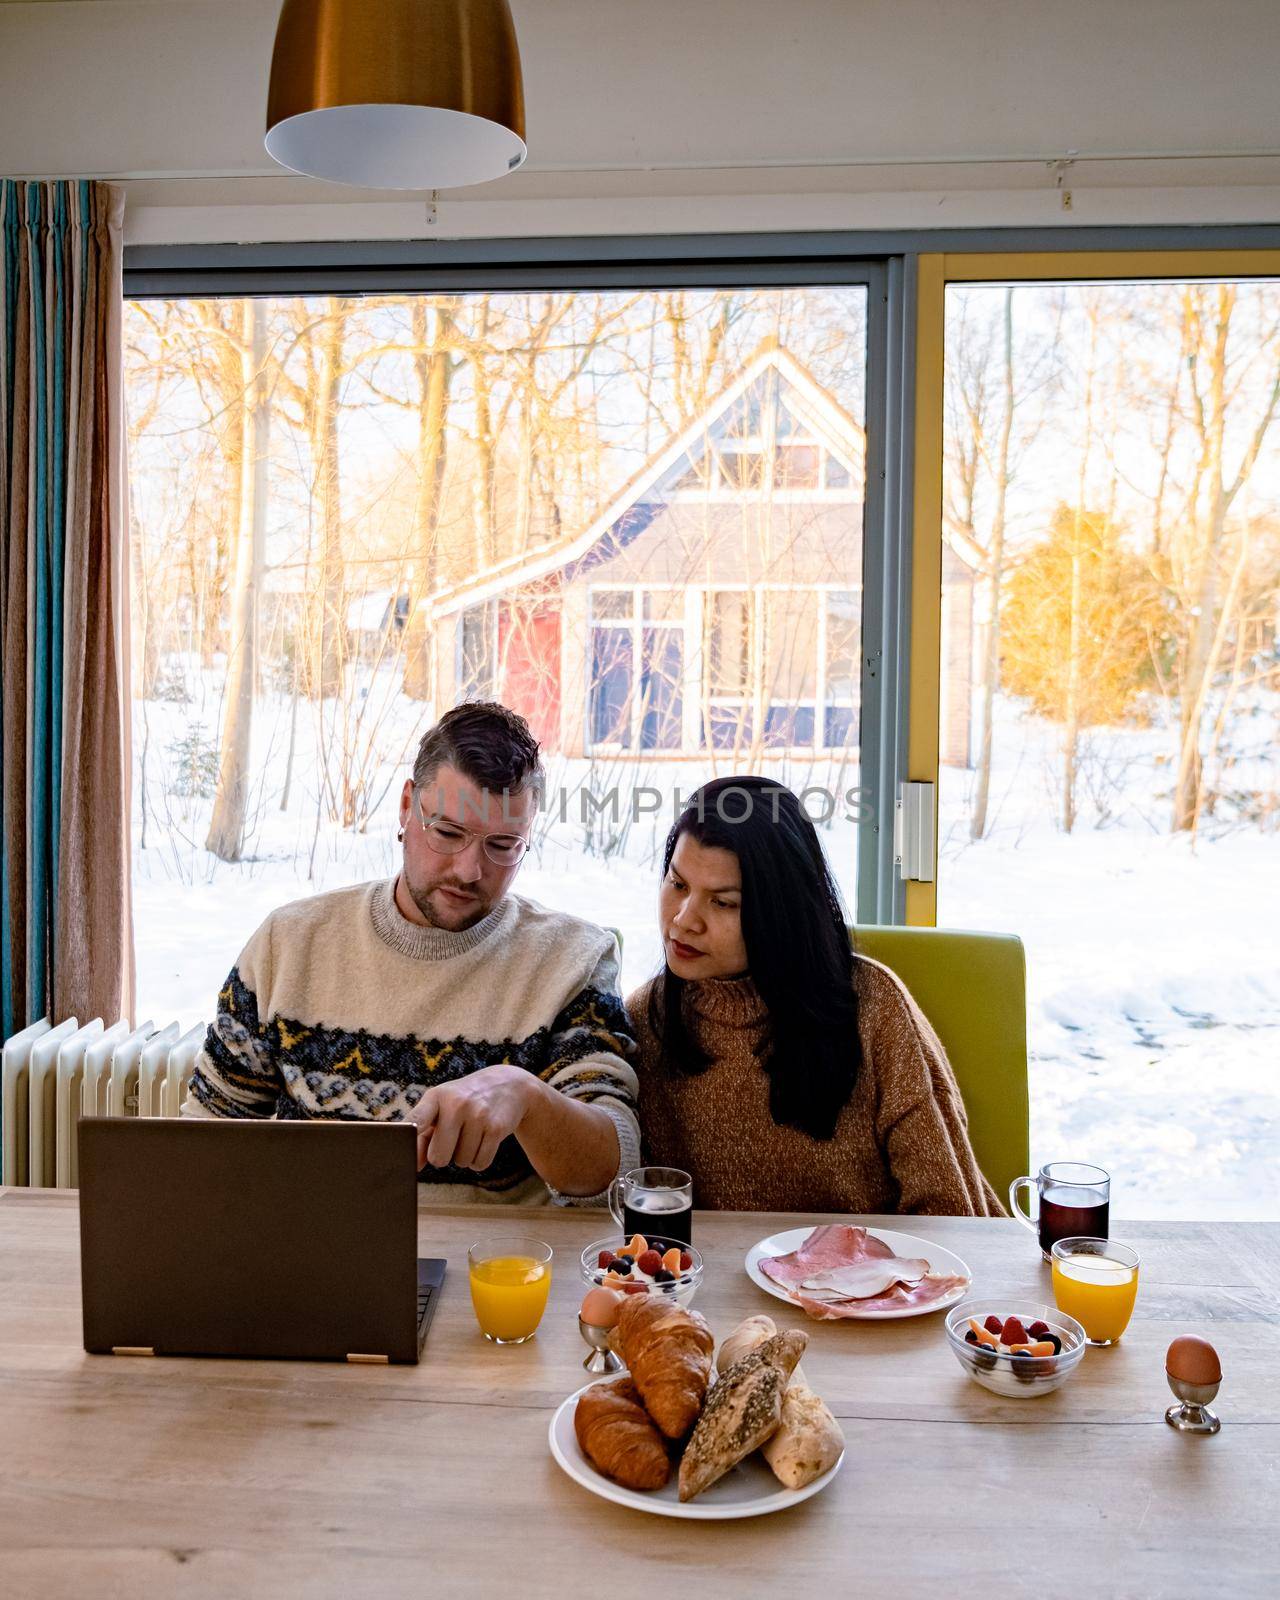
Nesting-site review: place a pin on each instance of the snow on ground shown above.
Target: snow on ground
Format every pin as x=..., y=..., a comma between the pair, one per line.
x=1153, y=978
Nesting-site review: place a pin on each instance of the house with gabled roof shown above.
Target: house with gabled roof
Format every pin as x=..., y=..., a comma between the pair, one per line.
x=714, y=604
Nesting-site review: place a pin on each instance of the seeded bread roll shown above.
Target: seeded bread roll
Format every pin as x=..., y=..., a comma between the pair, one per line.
x=742, y=1411
x=809, y=1439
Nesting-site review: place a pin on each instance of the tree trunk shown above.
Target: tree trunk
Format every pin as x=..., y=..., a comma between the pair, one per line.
x=1200, y=651
x=227, y=826
x=483, y=470
x=328, y=621
x=1071, y=722
x=995, y=577
x=432, y=328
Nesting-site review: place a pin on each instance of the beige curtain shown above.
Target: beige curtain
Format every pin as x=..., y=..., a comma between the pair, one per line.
x=94, y=972
x=68, y=927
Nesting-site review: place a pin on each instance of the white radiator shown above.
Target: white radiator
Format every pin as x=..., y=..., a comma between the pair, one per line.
x=51, y=1076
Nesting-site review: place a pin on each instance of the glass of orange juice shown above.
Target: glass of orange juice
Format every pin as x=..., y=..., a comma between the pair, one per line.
x=1096, y=1282
x=510, y=1281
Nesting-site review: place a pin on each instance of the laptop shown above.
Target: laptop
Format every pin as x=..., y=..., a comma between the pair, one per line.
x=292, y=1240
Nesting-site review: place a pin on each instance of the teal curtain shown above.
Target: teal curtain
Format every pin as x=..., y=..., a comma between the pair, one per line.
x=63, y=623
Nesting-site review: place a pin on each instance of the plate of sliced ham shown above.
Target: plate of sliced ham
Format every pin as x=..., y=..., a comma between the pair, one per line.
x=839, y=1270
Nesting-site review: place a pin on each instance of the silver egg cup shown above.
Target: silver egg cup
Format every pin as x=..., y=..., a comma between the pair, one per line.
x=601, y=1357
x=1193, y=1415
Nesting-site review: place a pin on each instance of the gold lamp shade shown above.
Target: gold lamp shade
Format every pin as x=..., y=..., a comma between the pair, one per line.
x=397, y=94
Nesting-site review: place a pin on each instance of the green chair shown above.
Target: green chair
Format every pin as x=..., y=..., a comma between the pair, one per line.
x=973, y=989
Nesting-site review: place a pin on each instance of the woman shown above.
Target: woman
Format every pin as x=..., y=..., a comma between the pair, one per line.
x=780, y=1069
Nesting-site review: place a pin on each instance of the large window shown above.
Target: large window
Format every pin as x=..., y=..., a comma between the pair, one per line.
x=637, y=517
x=1110, y=731
x=669, y=526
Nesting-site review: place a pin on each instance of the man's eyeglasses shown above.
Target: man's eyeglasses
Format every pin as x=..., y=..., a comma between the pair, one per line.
x=503, y=849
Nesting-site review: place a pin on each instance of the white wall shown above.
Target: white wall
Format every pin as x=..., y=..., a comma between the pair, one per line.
x=655, y=115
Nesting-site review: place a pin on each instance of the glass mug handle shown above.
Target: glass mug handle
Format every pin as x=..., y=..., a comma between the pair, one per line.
x=613, y=1198
x=1016, y=1209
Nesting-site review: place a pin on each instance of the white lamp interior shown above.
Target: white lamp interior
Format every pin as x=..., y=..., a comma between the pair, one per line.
x=395, y=147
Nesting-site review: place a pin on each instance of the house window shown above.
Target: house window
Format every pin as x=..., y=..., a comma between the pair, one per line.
x=792, y=652
x=797, y=465
x=790, y=667
x=729, y=616
x=478, y=652
x=636, y=690
x=843, y=662
x=611, y=668
x=838, y=475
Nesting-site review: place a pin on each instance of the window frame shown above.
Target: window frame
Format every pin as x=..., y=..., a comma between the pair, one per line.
x=936, y=272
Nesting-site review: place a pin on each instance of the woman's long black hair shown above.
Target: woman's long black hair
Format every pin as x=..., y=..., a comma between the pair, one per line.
x=798, y=951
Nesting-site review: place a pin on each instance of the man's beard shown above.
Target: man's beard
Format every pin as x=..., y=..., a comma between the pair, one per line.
x=467, y=916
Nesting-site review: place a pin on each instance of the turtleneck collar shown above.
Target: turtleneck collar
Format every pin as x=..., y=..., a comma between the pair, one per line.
x=427, y=944
x=730, y=1002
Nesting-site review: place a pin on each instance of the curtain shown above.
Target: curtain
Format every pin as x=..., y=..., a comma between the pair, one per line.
x=66, y=937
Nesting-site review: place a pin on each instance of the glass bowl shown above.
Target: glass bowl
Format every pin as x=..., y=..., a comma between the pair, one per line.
x=1015, y=1377
x=681, y=1289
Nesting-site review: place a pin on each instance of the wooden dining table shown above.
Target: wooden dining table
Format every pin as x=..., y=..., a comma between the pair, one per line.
x=208, y=1478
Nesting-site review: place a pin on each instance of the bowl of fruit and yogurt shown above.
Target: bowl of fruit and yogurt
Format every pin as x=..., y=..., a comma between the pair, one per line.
x=642, y=1265
x=1016, y=1350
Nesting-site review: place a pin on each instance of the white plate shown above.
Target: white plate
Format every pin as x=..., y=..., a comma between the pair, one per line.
x=902, y=1244
x=750, y=1490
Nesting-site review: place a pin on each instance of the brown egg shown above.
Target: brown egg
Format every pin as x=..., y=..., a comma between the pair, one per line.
x=1191, y=1360
x=600, y=1308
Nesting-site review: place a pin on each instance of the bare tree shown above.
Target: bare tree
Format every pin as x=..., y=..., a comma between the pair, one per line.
x=248, y=469
x=1207, y=553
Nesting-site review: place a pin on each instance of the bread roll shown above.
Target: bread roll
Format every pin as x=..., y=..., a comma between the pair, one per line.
x=744, y=1338
x=808, y=1439
x=742, y=1411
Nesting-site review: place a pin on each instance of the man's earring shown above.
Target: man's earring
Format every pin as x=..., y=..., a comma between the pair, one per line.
x=400, y=836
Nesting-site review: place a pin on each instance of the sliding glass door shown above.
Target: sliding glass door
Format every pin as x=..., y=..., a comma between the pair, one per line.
x=1107, y=681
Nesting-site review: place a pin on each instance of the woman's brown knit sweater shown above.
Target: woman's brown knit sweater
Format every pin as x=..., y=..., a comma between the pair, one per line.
x=901, y=1143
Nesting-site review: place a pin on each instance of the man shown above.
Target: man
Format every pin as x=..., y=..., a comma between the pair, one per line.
x=439, y=997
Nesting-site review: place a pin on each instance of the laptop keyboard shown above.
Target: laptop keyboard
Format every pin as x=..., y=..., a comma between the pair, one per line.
x=430, y=1280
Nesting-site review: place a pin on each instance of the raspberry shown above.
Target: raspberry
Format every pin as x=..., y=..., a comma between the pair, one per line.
x=650, y=1262
x=1013, y=1332
x=993, y=1324
x=635, y=1288
x=686, y=1261
x=605, y=1259
x=1038, y=1330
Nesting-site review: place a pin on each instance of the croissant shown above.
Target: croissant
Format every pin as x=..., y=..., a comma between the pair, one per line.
x=668, y=1354
x=615, y=1434
x=742, y=1411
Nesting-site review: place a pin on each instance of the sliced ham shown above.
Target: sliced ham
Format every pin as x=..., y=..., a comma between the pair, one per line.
x=844, y=1271
x=929, y=1291
x=864, y=1278
x=835, y=1245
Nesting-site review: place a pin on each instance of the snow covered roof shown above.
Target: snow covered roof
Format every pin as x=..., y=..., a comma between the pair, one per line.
x=801, y=394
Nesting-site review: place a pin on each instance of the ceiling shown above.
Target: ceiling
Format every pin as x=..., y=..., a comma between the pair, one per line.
x=671, y=113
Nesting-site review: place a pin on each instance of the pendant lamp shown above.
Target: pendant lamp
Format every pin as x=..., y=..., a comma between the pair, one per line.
x=397, y=94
